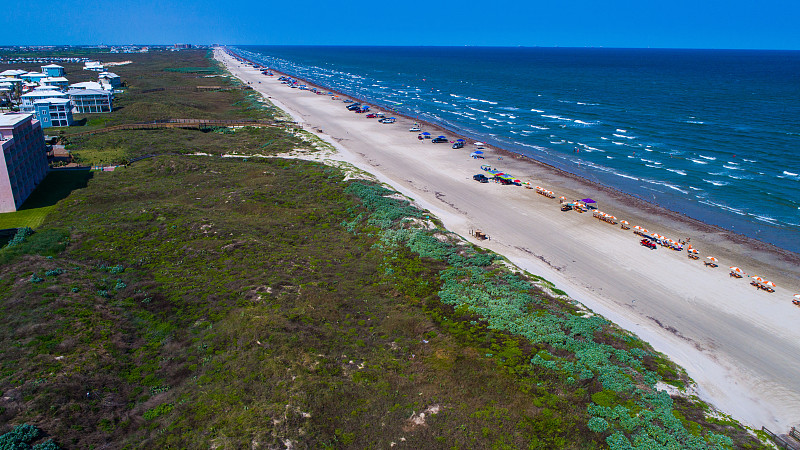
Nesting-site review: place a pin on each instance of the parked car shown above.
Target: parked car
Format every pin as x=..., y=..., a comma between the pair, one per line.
x=439, y=140
x=388, y=120
x=371, y=116
x=481, y=178
x=648, y=243
x=458, y=144
x=347, y=100
x=354, y=106
x=414, y=128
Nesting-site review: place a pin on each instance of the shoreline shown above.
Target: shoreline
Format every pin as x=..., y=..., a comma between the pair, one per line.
x=630, y=200
x=718, y=329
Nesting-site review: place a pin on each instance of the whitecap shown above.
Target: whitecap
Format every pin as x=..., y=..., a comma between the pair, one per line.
x=537, y=110
x=624, y=137
x=678, y=171
x=716, y=183
x=710, y=158
x=620, y=130
x=697, y=161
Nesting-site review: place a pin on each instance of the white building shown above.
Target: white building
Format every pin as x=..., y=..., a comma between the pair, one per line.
x=91, y=100
x=110, y=78
x=96, y=66
x=59, y=82
x=87, y=85
x=29, y=99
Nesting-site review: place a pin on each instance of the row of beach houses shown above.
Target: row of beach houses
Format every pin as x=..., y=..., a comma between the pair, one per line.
x=53, y=100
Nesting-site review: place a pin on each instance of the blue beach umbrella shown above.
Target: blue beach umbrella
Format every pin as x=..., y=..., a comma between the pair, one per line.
x=478, y=152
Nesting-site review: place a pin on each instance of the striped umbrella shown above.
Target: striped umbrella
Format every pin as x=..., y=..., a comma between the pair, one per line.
x=768, y=283
x=693, y=251
x=759, y=279
x=737, y=270
x=711, y=258
x=797, y=296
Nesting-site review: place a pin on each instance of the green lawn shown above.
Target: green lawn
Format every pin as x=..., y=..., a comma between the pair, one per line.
x=57, y=185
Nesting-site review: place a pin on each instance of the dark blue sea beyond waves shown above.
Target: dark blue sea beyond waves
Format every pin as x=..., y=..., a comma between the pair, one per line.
x=714, y=134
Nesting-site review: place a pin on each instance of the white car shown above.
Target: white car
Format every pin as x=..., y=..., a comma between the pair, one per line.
x=414, y=129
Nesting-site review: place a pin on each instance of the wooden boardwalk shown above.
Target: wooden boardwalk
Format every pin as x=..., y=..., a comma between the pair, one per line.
x=185, y=123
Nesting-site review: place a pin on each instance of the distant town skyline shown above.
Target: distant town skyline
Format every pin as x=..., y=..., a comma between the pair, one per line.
x=736, y=24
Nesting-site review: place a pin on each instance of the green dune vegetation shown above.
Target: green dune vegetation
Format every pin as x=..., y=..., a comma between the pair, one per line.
x=192, y=301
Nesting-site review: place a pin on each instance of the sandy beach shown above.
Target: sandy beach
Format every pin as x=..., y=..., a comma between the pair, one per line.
x=740, y=344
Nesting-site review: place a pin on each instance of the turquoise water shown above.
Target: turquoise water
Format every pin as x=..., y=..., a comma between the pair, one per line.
x=713, y=134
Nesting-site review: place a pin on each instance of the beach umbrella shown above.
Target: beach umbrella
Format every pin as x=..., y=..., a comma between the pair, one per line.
x=460, y=140
x=736, y=269
x=425, y=133
x=474, y=154
x=518, y=181
x=477, y=152
x=588, y=200
x=624, y=222
x=796, y=296
x=759, y=279
x=479, y=144
x=711, y=258
x=768, y=283
x=693, y=251
x=562, y=198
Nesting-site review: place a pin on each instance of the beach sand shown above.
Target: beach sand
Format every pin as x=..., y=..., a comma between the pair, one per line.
x=741, y=345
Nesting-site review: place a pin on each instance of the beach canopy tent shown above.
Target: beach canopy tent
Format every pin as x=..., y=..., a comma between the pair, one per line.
x=588, y=201
x=425, y=133
x=477, y=152
x=460, y=140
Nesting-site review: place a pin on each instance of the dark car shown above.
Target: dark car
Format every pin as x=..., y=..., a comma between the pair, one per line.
x=481, y=178
x=439, y=140
x=354, y=106
x=458, y=144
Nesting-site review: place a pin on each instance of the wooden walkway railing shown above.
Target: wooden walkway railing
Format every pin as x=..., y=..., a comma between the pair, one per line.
x=779, y=441
x=195, y=88
x=185, y=123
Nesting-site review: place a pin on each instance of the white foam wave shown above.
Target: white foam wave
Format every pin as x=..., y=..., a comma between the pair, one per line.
x=710, y=158
x=539, y=128
x=678, y=171
x=620, y=130
x=537, y=110
x=716, y=183
x=725, y=207
x=624, y=137
x=697, y=161
x=790, y=175
x=550, y=116
x=731, y=167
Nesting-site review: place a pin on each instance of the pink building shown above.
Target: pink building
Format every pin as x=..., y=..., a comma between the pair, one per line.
x=24, y=161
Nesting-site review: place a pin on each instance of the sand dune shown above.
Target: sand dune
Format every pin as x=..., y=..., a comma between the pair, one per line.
x=741, y=345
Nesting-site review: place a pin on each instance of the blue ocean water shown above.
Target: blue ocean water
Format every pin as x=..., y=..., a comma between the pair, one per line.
x=714, y=134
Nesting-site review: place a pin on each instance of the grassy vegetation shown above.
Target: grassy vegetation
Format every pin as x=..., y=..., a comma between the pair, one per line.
x=56, y=186
x=198, y=301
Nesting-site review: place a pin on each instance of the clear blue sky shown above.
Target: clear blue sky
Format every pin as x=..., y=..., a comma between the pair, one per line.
x=760, y=24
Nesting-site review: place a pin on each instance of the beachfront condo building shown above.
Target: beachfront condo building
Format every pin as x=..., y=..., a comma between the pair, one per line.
x=53, y=70
x=24, y=162
x=91, y=100
x=53, y=112
x=29, y=99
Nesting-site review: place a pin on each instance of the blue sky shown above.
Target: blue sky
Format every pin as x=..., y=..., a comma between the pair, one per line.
x=762, y=24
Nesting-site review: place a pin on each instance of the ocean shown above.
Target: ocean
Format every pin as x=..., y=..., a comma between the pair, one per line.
x=713, y=134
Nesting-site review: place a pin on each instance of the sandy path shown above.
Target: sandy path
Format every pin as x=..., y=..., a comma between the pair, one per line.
x=741, y=345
